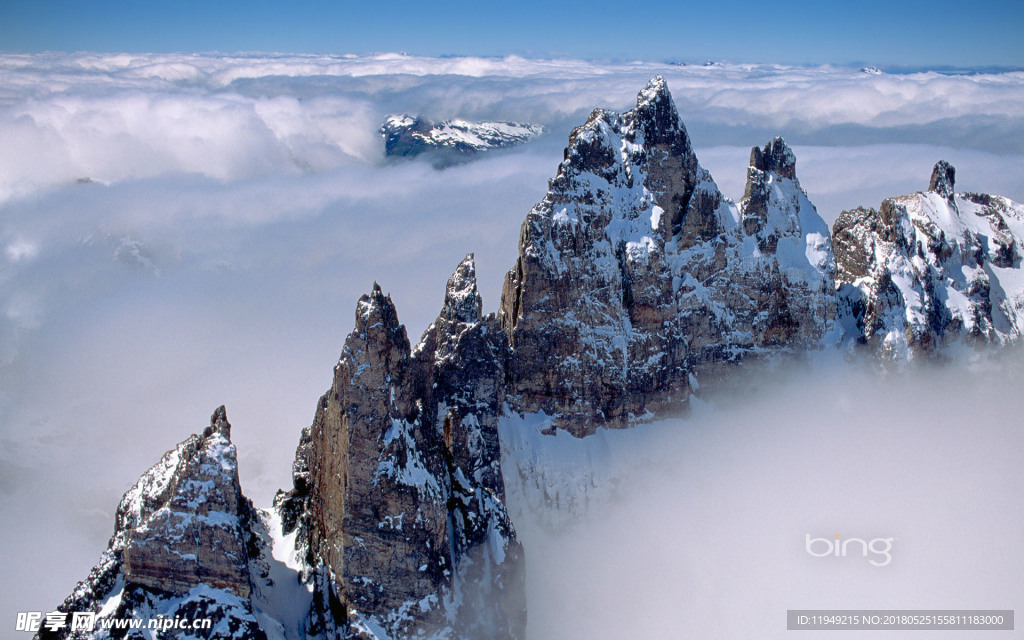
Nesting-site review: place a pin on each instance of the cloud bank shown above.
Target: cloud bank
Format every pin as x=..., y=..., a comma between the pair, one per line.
x=182, y=231
x=698, y=528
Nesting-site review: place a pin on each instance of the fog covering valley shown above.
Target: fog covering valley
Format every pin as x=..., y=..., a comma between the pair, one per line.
x=179, y=232
x=697, y=528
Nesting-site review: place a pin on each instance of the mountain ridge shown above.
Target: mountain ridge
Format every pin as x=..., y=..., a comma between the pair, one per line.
x=450, y=141
x=636, y=285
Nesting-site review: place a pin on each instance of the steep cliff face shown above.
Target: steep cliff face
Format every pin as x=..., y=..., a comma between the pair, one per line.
x=182, y=547
x=378, y=508
x=466, y=355
x=635, y=273
x=398, y=491
x=932, y=269
x=787, y=244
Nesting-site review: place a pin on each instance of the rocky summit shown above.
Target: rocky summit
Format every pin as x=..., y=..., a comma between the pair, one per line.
x=636, y=275
x=637, y=283
x=183, y=547
x=398, y=498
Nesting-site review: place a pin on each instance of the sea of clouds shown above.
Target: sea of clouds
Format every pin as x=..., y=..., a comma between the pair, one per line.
x=183, y=231
x=699, y=528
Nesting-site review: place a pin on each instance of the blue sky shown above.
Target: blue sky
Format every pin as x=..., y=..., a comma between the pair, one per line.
x=917, y=33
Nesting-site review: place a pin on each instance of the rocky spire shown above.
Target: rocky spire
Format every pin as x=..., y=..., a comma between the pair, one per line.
x=219, y=424
x=470, y=357
x=376, y=314
x=387, y=499
x=656, y=115
x=776, y=157
x=634, y=272
x=462, y=302
x=198, y=534
x=921, y=272
x=465, y=397
x=764, y=215
x=182, y=541
x=943, y=179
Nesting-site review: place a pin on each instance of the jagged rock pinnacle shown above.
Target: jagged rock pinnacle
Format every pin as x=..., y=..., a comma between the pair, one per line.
x=219, y=424
x=943, y=179
x=655, y=91
x=376, y=308
x=397, y=485
x=776, y=157
x=658, y=118
x=919, y=270
x=462, y=302
x=182, y=542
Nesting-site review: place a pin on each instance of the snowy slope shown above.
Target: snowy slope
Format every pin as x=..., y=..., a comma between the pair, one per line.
x=932, y=270
x=406, y=135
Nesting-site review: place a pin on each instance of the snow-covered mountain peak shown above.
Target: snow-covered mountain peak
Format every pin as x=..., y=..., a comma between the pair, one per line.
x=933, y=269
x=656, y=114
x=182, y=542
x=462, y=301
x=776, y=212
x=635, y=274
x=451, y=140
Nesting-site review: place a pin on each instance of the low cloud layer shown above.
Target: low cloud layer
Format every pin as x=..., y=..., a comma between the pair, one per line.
x=179, y=232
x=698, y=528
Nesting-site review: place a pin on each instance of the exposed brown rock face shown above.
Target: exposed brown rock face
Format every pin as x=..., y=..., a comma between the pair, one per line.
x=182, y=544
x=635, y=273
x=197, y=535
x=585, y=272
x=931, y=269
x=376, y=508
x=398, y=490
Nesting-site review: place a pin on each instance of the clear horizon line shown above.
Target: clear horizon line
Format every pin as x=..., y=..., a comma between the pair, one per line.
x=894, y=68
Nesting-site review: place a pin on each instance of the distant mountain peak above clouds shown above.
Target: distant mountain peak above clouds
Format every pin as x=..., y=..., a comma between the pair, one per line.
x=451, y=140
